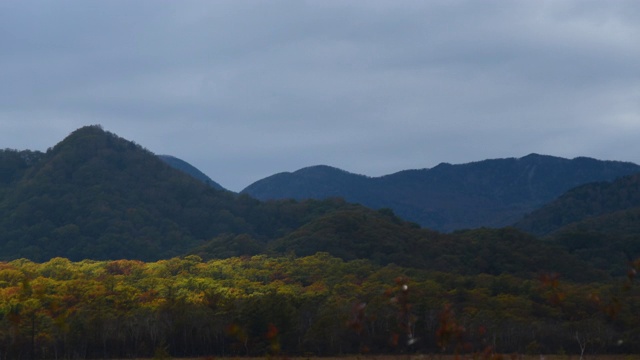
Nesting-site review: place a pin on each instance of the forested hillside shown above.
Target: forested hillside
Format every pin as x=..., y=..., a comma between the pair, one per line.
x=491, y=193
x=97, y=196
x=585, y=202
x=13, y=165
x=598, y=222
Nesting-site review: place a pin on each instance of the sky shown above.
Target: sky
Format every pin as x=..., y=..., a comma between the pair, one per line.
x=246, y=89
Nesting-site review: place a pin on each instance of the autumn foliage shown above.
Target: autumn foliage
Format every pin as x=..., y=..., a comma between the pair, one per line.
x=319, y=305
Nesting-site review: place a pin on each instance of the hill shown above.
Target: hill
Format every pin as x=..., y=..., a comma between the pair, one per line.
x=190, y=170
x=97, y=196
x=348, y=234
x=599, y=222
x=584, y=202
x=491, y=193
x=314, y=182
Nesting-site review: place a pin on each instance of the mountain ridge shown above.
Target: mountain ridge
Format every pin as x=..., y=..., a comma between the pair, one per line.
x=97, y=196
x=492, y=192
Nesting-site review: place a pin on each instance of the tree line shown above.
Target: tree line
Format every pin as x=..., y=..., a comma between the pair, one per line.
x=314, y=305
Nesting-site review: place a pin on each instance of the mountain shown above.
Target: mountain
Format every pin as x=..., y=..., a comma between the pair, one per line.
x=585, y=204
x=97, y=196
x=314, y=182
x=598, y=222
x=348, y=234
x=449, y=197
x=190, y=170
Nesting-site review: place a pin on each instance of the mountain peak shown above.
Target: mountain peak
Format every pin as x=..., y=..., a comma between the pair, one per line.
x=88, y=140
x=536, y=156
x=323, y=170
x=313, y=182
x=99, y=186
x=89, y=131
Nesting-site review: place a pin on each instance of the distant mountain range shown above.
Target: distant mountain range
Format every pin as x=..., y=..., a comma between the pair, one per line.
x=491, y=193
x=97, y=196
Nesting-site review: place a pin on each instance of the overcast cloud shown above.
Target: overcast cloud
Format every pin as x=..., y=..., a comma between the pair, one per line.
x=246, y=89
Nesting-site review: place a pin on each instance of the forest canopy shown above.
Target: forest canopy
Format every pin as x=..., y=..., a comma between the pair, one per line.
x=318, y=305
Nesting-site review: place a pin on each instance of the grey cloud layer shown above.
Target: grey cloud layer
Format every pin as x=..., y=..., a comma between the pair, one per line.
x=246, y=89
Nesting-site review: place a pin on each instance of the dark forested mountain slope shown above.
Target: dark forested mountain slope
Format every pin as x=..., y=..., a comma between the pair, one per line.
x=190, y=170
x=598, y=222
x=609, y=241
x=448, y=197
x=584, y=202
x=14, y=163
x=347, y=234
x=95, y=195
